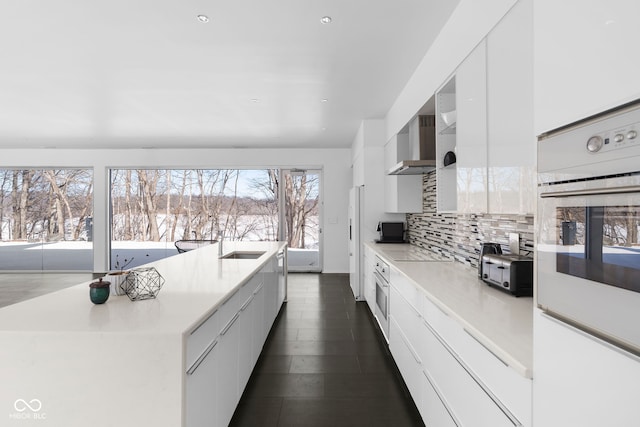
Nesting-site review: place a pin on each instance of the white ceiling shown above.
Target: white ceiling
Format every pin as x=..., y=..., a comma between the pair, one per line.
x=143, y=73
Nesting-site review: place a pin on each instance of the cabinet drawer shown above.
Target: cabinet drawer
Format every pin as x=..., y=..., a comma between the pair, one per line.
x=432, y=407
x=511, y=388
x=230, y=308
x=469, y=402
x=201, y=337
x=406, y=288
x=406, y=359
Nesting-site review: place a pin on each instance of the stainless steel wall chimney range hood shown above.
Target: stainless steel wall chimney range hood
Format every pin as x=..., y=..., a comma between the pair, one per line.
x=422, y=148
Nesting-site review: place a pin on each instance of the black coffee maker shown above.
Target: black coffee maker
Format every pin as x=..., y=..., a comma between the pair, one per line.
x=487, y=248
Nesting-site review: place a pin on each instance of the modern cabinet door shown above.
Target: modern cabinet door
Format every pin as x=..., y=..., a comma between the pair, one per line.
x=202, y=378
x=369, y=281
x=270, y=280
x=586, y=58
x=432, y=407
x=512, y=144
x=404, y=335
x=259, y=332
x=245, y=342
x=471, y=132
x=406, y=358
x=227, y=392
x=202, y=373
x=469, y=402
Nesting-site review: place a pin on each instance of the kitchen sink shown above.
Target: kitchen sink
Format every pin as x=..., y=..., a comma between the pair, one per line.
x=243, y=255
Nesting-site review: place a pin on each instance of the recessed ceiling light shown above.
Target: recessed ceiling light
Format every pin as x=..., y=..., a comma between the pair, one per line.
x=324, y=100
x=255, y=100
x=203, y=18
x=326, y=20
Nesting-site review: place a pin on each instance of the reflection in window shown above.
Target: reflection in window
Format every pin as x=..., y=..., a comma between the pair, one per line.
x=600, y=243
x=46, y=219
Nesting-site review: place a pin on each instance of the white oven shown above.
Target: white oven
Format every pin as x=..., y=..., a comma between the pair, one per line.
x=588, y=250
x=381, y=275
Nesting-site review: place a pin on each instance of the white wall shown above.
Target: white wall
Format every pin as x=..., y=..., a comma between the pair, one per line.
x=469, y=24
x=335, y=165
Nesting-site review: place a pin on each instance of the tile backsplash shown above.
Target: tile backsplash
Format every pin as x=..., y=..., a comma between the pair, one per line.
x=459, y=236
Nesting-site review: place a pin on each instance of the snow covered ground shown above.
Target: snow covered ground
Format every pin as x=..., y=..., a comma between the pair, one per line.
x=78, y=256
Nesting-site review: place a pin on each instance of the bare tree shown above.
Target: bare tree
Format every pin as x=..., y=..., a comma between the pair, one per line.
x=148, y=183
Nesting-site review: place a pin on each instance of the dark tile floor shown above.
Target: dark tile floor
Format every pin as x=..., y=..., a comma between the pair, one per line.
x=325, y=364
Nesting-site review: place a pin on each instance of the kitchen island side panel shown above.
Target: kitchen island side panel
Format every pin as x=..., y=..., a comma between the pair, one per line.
x=98, y=379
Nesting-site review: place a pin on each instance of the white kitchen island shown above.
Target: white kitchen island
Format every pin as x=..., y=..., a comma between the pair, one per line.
x=180, y=359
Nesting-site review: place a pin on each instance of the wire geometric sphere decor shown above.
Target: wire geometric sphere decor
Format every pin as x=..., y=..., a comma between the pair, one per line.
x=142, y=283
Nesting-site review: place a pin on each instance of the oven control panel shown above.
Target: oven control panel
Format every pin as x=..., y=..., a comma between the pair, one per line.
x=614, y=139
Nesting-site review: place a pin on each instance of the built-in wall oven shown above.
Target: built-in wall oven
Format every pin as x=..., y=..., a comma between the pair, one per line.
x=381, y=277
x=588, y=251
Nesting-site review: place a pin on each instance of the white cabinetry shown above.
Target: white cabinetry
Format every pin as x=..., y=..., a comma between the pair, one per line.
x=452, y=377
x=585, y=61
x=405, y=334
x=222, y=351
x=402, y=193
x=202, y=373
x=493, y=141
x=446, y=178
x=369, y=280
x=471, y=134
x=432, y=407
x=511, y=148
x=580, y=380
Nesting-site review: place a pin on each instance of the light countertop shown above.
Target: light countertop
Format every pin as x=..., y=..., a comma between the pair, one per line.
x=499, y=321
x=192, y=289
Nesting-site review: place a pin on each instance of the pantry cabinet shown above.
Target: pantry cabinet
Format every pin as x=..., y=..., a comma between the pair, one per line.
x=585, y=59
x=511, y=150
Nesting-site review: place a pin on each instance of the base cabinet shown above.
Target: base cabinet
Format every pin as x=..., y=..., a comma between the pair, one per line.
x=202, y=380
x=406, y=359
x=453, y=379
x=223, y=350
x=431, y=405
x=469, y=401
x=369, y=280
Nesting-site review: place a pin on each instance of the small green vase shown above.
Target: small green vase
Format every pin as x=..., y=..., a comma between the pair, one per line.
x=99, y=291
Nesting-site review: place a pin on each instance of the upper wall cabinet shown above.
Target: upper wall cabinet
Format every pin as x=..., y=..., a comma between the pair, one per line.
x=471, y=139
x=511, y=149
x=585, y=58
x=402, y=193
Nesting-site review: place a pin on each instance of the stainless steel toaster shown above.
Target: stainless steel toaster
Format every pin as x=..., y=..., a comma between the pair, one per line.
x=511, y=273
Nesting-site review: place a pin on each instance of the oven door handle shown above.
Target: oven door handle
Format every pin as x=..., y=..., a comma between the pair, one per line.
x=381, y=279
x=592, y=191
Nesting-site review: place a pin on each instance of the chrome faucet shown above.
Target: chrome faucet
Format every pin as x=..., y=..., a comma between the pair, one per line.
x=220, y=239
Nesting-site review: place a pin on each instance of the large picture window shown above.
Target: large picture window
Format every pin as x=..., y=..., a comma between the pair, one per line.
x=46, y=219
x=152, y=209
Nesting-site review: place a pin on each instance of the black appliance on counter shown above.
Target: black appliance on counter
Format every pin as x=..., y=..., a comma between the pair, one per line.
x=486, y=249
x=511, y=273
x=391, y=232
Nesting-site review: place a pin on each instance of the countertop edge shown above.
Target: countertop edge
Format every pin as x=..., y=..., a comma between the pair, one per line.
x=498, y=351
